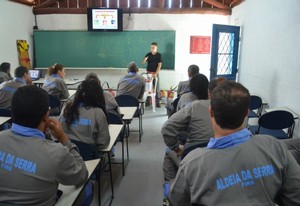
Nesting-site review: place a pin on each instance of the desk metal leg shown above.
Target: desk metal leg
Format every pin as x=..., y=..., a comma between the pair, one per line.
x=110, y=174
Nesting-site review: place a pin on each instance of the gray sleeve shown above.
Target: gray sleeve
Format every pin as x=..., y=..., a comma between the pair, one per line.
x=143, y=88
x=174, y=125
x=64, y=89
x=103, y=137
x=179, y=194
x=179, y=90
x=294, y=147
x=290, y=192
x=180, y=104
x=72, y=169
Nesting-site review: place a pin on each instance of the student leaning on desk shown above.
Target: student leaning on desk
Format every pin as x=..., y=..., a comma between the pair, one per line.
x=31, y=167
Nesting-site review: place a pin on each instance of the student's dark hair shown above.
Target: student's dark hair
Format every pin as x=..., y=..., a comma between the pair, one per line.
x=132, y=67
x=214, y=83
x=154, y=43
x=55, y=68
x=20, y=71
x=5, y=67
x=29, y=105
x=199, y=86
x=193, y=69
x=92, y=76
x=90, y=95
x=230, y=104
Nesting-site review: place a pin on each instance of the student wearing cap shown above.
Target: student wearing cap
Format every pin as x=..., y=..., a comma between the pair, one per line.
x=184, y=86
x=32, y=166
x=132, y=84
x=236, y=168
x=8, y=88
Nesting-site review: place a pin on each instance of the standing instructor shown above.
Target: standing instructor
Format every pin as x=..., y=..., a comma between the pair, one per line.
x=154, y=63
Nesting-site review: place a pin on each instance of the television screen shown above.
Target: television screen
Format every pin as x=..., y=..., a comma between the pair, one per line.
x=105, y=19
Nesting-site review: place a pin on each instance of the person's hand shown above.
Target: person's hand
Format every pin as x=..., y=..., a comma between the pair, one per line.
x=57, y=131
x=154, y=75
x=29, y=80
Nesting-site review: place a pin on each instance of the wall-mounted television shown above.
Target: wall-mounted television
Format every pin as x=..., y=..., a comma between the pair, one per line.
x=105, y=19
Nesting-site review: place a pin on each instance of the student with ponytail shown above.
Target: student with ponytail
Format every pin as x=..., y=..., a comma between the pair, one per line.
x=54, y=83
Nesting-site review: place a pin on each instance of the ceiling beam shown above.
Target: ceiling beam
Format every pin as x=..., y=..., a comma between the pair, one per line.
x=47, y=3
x=25, y=2
x=217, y=4
x=218, y=11
x=235, y=3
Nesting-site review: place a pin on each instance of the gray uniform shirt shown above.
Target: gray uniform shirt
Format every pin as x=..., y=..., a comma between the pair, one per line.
x=56, y=86
x=32, y=167
x=8, y=90
x=111, y=104
x=183, y=87
x=252, y=173
x=195, y=119
x=186, y=99
x=4, y=77
x=132, y=84
x=91, y=128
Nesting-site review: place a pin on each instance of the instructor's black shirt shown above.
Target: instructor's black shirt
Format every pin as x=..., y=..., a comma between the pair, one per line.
x=153, y=61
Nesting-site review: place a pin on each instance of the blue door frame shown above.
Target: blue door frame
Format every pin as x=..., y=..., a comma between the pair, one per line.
x=224, y=52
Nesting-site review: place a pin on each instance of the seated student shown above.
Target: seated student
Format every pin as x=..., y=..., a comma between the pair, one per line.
x=132, y=84
x=54, y=83
x=5, y=72
x=198, y=90
x=294, y=146
x=84, y=119
x=195, y=119
x=32, y=166
x=110, y=101
x=184, y=86
x=8, y=88
x=235, y=168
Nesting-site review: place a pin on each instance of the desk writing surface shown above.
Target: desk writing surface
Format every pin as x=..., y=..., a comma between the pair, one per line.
x=70, y=193
x=128, y=112
x=114, y=131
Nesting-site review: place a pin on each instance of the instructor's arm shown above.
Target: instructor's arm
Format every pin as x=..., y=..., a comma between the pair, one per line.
x=145, y=60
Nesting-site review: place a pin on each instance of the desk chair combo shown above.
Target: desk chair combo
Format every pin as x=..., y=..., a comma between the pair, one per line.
x=129, y=101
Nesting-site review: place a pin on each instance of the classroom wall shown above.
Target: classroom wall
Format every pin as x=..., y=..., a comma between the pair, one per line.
x=16, y=22
x=185, y=26
x=269, y=55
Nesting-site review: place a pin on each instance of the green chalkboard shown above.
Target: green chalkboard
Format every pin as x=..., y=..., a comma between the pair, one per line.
x=101, y=49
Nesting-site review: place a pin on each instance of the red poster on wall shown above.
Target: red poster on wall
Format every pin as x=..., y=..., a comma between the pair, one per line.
x=200, y=45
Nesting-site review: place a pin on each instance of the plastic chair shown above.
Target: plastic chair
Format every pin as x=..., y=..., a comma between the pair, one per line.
x=129, y=101
x=187, y=150
x=55, y=105
x=273, y=123
x=150, y=89
x=255, y=103
x=116, y=119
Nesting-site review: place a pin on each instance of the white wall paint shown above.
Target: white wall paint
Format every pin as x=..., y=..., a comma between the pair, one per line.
x=269, y=57
x=16, y=22
x=184, y=25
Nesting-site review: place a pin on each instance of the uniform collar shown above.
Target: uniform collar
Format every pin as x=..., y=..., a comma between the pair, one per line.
x=231, y=140
x=132, y=73
x=20, y=80
x=55, y=76
x=27, y=131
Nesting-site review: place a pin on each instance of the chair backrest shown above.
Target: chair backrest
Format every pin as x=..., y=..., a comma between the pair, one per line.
x=5, y=113
x=53, y=101
x=187, y=150
x=175, y=103
x=87, y=151
x=255, y=102
x=276, y=120
x=127, y=101
x=114, y=119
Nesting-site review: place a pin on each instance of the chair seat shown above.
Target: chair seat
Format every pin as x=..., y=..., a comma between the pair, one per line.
x=252, y=115
x=279, y=134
